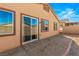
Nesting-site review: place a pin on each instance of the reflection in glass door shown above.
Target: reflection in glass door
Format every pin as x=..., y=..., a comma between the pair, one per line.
x=26, y=30
x=34, y=28
x=29, y=29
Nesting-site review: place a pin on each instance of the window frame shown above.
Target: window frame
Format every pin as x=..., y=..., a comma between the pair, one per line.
x=13, y=22
x=42, y=25
x=55, y=26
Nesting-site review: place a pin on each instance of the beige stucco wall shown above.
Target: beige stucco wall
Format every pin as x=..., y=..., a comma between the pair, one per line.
x=71, y=29
x=61, y=27
x=9, y=42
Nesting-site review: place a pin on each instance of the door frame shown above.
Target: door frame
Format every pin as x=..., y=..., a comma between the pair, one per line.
x=21, y=22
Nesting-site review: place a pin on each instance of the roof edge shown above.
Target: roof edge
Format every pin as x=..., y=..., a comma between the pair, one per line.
x=53, y=13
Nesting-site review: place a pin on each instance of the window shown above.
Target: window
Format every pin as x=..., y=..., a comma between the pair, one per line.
x=44, y=25
x=6, y=22
x=55, y=26
x=46, y=7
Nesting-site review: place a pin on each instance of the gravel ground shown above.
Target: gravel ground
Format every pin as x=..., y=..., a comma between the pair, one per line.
x=52, y=46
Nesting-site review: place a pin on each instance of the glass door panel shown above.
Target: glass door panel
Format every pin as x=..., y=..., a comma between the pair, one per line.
x=27, y=27
x=34, y=28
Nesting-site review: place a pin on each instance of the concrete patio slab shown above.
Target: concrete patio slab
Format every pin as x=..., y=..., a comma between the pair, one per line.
x=52, y=46
x=74, y=50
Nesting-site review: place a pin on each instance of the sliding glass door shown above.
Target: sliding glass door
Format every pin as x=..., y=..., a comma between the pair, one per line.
x=29, y=28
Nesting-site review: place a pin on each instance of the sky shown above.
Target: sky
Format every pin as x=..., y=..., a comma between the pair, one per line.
x=5, y=17
x=66, y=11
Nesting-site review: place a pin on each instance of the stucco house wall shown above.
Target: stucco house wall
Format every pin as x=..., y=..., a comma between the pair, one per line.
x=12, y=41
